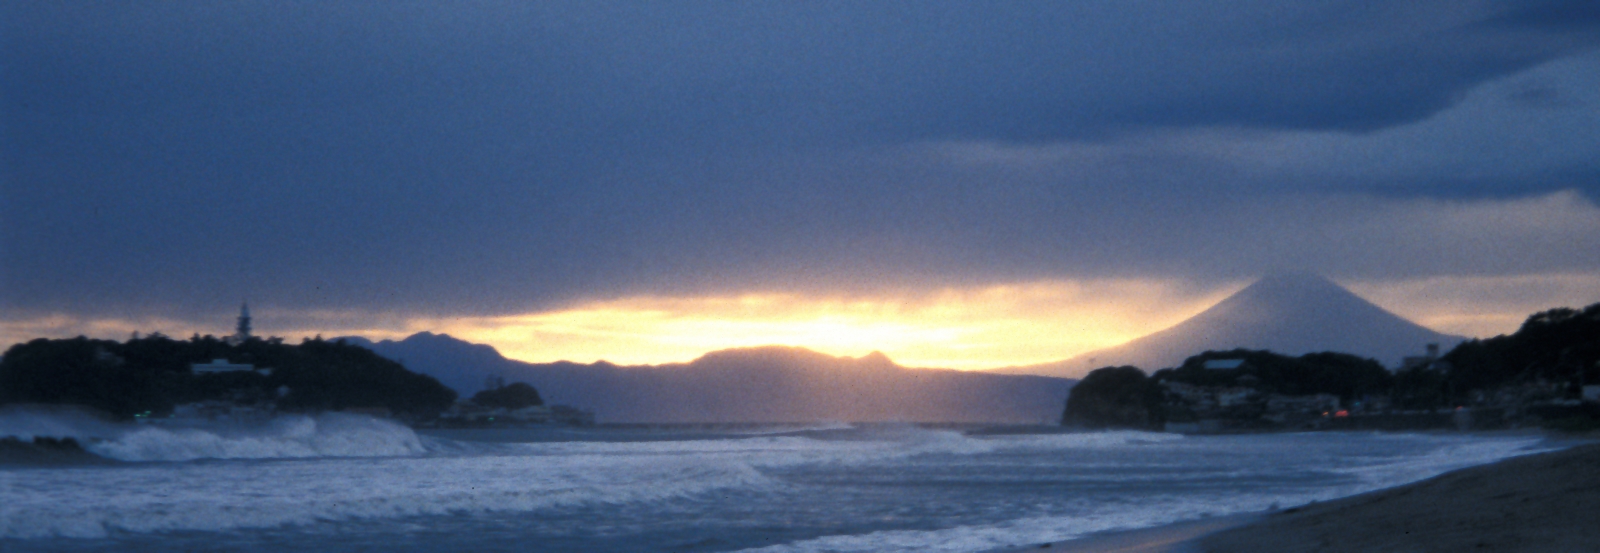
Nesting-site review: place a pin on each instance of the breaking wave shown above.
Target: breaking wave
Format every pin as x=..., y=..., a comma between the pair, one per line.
x=228, y=496
x=282, y=436
x=1155, y=509
x=1451, y=455
x=370, y=469
x=1013, y=534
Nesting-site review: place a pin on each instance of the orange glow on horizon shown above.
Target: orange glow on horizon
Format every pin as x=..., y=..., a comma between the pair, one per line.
x=1479, y=306
x=971, y=328
x=980, y=327
x=977, y=328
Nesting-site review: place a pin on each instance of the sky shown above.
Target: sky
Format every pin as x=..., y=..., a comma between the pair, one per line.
x=956, y=184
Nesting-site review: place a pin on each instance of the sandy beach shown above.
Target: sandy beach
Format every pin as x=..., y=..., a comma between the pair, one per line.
x=1172, y=538
x=1535, y=503
x=1545, y=502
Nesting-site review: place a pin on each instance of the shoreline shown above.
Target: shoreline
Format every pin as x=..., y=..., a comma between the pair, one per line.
x=1540, y=502
x=1522, y=503
x=1177, y=537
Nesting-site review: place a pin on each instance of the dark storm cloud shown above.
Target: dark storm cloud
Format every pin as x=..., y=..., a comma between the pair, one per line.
x=495, y=157
x=1575, y=15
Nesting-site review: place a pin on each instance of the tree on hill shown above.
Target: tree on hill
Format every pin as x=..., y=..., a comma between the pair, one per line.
x=513, y=396
x=80, y=371
x=1420, y=388
x=153, y=374
x=1557, y=345
x=1112, y=397
x=337, y=375
x=1341, y=374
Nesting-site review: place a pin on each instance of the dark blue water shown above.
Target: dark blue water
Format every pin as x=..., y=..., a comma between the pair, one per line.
x=344, y=483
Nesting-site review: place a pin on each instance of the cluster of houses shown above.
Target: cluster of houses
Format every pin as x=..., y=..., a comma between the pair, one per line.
x=463, y=414
x=1190, y=408
x=466, y=414
x=1205, y=409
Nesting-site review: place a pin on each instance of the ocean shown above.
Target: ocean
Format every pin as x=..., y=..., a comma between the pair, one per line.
x=338, y=482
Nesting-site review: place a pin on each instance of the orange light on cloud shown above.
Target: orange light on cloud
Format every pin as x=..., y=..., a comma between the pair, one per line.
x=55, y=325
x=977, y=328
x=1479, y=307
x=961, y=328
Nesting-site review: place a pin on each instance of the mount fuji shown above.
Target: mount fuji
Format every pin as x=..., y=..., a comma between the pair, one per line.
x=1291, y=314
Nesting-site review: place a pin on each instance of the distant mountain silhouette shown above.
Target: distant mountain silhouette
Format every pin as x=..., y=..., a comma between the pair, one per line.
x=461, y=365
x=766, y=384
x=1292, y=314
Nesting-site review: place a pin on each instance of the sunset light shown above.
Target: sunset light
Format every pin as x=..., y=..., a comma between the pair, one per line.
x=975, y=328
x=971, y=328
x=958, y=276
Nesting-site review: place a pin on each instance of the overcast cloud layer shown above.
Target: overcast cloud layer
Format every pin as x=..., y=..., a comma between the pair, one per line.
x=493, y=158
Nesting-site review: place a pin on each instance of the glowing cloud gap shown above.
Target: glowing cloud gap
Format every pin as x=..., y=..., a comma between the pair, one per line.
x=975, y=328
x=962, y=328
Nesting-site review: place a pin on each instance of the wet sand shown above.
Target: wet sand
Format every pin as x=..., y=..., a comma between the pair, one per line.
x=1535, y=503
x=1172, y=538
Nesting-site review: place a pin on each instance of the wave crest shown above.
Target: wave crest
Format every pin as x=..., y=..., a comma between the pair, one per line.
x=282, y=436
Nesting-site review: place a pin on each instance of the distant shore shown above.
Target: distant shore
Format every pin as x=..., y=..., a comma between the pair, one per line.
x=1541, y=502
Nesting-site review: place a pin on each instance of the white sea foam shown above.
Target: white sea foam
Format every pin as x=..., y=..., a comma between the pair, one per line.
x=876, y=444
x=1019, y=532
x=367, y=469
x=283, y=436
x=1448, y=453
x=1086, y=440
x=224, y=496
x=54, y=421
x=795, y=429
x=1453, y=453
x=287, y=436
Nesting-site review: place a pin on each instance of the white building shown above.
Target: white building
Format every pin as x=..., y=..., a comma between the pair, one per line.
x=220, y=366
x=1223, y=364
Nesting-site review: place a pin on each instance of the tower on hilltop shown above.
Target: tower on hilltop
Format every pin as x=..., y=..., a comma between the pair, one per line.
x=243, y=332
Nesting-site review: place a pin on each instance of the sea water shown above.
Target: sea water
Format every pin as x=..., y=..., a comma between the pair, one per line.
x=338, y=482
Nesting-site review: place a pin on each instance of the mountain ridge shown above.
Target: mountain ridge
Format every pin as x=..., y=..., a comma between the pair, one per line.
x=1289, y=313
x=755, y=384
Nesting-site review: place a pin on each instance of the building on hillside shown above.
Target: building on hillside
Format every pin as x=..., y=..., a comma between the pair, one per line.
x=1423, y=361
x=1209, y=401
x=1233, y=396
x=466, y=413
x=1224, y=364
x=223, y=366
x=1300, y=411
x=1188, y=394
